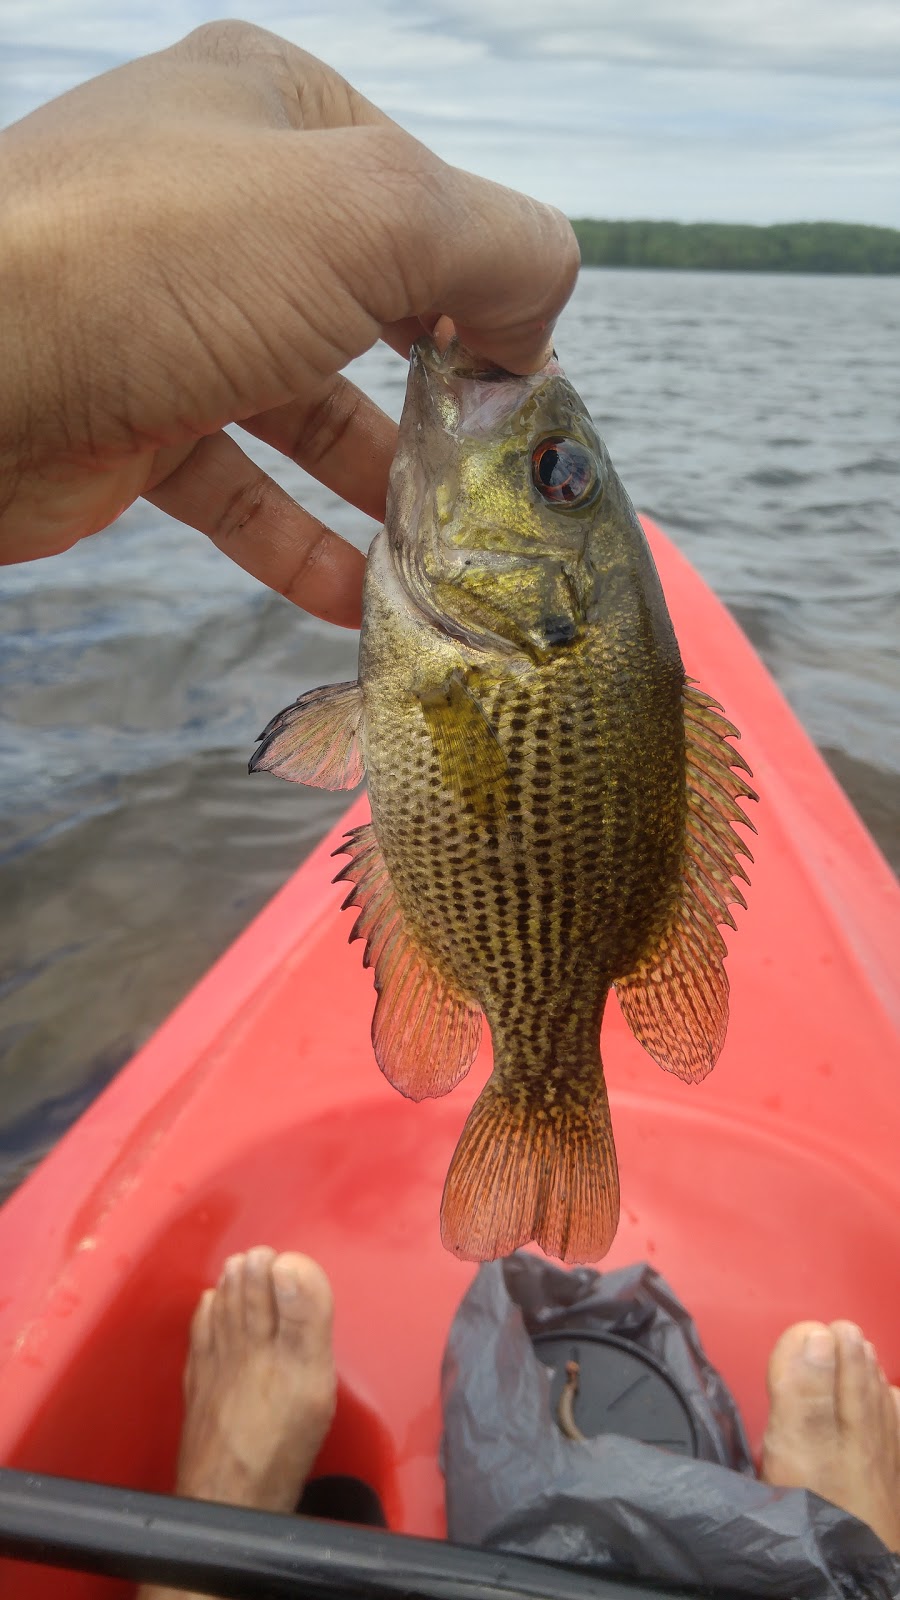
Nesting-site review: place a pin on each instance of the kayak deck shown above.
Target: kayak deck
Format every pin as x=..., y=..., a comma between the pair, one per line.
x=257, y=1114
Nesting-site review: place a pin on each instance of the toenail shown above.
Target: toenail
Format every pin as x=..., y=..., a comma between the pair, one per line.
x=853, y=1334
x=818, y=1348
x=285, y=1285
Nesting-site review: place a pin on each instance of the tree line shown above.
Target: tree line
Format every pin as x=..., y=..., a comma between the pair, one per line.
x=740, y=247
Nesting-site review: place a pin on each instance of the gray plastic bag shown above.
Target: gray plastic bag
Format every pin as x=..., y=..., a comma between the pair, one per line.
x=514, y=1482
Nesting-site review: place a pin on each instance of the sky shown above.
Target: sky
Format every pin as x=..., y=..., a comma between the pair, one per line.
x=717, y=110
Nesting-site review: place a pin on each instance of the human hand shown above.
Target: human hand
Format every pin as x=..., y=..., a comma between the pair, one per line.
x=207, y=236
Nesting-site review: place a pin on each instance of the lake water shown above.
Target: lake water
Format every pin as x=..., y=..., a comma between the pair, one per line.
x=757, y=418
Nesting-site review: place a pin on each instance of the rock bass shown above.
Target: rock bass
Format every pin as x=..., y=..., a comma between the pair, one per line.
x=552, y=801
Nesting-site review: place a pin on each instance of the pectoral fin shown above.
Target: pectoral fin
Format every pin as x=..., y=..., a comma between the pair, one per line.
x=424, y=1033
x=676, y=1001
x=469, y=753
x=316, y=740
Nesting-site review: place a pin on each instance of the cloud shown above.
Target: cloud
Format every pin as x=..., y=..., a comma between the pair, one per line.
x=757, y=110
x=830, y=37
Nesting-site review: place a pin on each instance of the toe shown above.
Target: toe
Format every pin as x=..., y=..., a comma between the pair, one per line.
x=857, y=1387
x=803, y=1364
x=201, y=1324
x=200, y=1342
x=882, y=1424
x=304, y=1303
x=228, y=1302
x=802, y=1425
x=259, y=1296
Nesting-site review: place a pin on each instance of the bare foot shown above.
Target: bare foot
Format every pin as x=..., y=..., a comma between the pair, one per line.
x=834, y=1424
x=259, y=1384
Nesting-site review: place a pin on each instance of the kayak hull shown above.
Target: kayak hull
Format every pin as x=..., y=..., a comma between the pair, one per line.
x=257, y=1114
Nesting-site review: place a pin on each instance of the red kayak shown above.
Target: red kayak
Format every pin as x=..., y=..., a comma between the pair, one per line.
x=257, y=1114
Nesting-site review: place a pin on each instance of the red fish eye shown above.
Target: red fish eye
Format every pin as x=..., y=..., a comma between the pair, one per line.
x=564, y=472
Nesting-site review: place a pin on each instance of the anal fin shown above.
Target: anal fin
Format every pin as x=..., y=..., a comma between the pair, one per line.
x=425, y=1034
x=315, y=740
x=525, y=1169
x=676, y=1001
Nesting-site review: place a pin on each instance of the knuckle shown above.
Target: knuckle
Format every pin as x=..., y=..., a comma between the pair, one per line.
x=226, y=40
x=243, y=507
x=324, y=427
x=312, y=555
x=281, y=71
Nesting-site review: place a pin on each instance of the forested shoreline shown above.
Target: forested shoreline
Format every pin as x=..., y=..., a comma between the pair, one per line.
x=740, y=247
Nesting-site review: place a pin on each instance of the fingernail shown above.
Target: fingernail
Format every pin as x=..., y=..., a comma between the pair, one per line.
x=818, y=1348
x=443, y=333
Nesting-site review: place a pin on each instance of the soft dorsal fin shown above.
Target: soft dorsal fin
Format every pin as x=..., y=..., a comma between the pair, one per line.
x=676, y=1002
x=424, y=1033
x=316, y=740
x=469, y=753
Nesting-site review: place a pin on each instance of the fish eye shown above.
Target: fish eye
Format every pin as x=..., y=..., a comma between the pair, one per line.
x=565, y=472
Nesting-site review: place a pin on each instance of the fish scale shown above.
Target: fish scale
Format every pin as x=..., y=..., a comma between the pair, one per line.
x=512, y=914
x=552, y=802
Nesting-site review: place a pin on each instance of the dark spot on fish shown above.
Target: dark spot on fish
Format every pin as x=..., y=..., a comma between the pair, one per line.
x=559, y=630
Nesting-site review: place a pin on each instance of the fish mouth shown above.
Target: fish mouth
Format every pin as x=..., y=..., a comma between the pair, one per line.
x=456, y=361
x=470, y=396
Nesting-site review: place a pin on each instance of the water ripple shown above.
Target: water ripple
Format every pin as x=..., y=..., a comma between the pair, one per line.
x=756, y=418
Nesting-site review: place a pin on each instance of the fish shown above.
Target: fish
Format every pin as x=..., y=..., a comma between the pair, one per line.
x=553, y=802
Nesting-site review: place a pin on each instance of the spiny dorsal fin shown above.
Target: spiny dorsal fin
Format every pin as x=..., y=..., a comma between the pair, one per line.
x=425, y=1035
x=469, y=753
x=316, y=740
x=676, y=1002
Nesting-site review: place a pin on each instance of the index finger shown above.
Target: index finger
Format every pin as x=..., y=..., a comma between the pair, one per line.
x=439, y=241
x=410, y=236
x=498, y=263
x=512, y=269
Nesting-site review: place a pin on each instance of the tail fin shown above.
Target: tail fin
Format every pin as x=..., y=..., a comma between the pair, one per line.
x=537, y=1170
